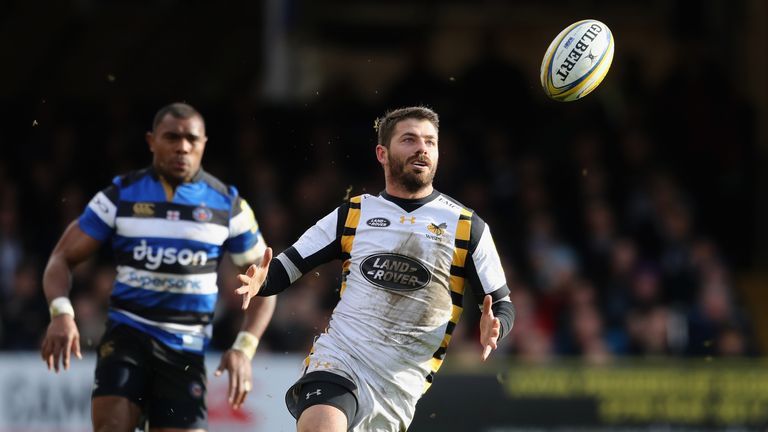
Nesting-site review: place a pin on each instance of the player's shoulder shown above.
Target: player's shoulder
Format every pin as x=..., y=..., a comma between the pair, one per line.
x=451, y=202
x=350, y=203
x=216, y=185
x=359, y=199
x=127, y=179
x=465, y=211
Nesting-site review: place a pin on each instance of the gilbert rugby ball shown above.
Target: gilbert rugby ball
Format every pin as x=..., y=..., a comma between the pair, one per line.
x=577, y=60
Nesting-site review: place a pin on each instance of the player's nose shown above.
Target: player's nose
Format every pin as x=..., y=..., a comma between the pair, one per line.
x=421, y=145
x=184, y=146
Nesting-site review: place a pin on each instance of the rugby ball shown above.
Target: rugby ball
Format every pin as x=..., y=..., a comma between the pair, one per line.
x=577, y=60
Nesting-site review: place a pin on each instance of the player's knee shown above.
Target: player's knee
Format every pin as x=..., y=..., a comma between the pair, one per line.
x=114, y=414
x=322, y=418
x=112, y=425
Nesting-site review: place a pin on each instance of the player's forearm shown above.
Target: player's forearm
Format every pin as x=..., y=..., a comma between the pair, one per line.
x=258, y=315
x=277, y=280
x=57, y=278
x=256, y=319
x=504, y=310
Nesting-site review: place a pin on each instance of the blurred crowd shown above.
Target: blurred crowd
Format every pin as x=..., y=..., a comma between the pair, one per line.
x=620, y=219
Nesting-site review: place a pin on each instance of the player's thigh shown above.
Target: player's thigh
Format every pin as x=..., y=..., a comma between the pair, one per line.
x=120, y=380
x=322, y=418
x=323, y=401
x=114, y=414
x=177, y=390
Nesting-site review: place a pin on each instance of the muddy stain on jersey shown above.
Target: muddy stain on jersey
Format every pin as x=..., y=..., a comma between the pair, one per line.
x=417, y=319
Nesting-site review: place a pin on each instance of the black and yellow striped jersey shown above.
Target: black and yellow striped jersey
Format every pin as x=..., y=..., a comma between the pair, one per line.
x=406, y=264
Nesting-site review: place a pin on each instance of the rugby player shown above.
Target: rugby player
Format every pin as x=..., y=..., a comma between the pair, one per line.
x=408, y=254
x=169, y=225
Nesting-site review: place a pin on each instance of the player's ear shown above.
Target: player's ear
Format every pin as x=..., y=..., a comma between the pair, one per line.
x=150, y=138
x=381, y=153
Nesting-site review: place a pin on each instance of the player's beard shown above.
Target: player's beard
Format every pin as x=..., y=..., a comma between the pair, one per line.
x=411, y=181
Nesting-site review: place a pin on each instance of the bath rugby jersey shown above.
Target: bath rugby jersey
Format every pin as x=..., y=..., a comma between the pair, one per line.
x=167, y=245
x=406, y=264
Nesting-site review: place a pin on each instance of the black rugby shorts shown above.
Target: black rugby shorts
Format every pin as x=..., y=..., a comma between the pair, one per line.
x=168, y=385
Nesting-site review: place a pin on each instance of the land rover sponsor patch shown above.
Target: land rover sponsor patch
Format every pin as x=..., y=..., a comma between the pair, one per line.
x=395, y=271
x=378, y=222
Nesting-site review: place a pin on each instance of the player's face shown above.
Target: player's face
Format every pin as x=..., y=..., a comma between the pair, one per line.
x=177, y=146
x=412, y=155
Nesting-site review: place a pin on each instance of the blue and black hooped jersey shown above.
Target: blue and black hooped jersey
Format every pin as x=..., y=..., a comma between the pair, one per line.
x=167, y=245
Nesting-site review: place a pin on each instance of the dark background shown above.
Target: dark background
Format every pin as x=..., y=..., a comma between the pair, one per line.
x=630, y=222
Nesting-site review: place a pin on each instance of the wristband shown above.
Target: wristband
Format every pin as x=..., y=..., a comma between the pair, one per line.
x=61, y=306
x=247, y=343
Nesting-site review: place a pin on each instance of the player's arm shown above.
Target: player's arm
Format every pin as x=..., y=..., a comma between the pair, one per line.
x=486, y=277
x=245, y=246
x=80, y=240
x=62, y=337
x=74, y=247
x=318, y=245
x=237, y=360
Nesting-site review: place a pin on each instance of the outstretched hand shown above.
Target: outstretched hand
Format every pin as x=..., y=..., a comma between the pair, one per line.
x=490, y=327
x=253, y=279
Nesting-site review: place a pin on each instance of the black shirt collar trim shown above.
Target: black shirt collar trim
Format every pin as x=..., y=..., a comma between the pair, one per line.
x=410, y=205
x=195, y=178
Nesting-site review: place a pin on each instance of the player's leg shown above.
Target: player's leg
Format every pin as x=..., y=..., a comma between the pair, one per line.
x=120, y=381
x=177, y=388
x=323, y=402
x=114, y=414
x=322, y=418
x=151, y=429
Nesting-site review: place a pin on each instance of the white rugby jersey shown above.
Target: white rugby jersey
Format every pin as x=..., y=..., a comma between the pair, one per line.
x=405, y=266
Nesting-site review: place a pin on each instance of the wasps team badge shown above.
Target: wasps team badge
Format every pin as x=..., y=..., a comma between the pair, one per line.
x=437, y=230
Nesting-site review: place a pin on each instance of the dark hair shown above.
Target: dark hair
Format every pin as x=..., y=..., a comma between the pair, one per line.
x=386, y=125
x=178, y=110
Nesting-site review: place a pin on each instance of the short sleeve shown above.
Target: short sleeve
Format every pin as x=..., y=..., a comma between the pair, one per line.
x=245, y=242
x=484, y=269
x=98, y=219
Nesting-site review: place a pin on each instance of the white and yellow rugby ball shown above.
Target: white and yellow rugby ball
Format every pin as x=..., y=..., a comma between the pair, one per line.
x=577, y=60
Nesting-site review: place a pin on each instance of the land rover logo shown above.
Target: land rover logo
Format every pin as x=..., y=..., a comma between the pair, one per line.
x=378, y=222
x=396, y=272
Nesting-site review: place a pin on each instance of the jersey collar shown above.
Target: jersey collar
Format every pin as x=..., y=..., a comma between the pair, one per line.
x=195, y=178
x=410, y=205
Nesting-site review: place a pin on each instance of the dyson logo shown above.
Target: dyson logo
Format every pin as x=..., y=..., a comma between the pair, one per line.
x=155, y=256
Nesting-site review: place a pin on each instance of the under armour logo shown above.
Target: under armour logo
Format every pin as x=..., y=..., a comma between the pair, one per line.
x=412, y=219
x=316, y=392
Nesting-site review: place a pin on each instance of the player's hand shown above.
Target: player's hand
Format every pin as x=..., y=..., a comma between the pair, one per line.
x=254, y=278
x=489, y=328
x=237, y=364
x=61, y=340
